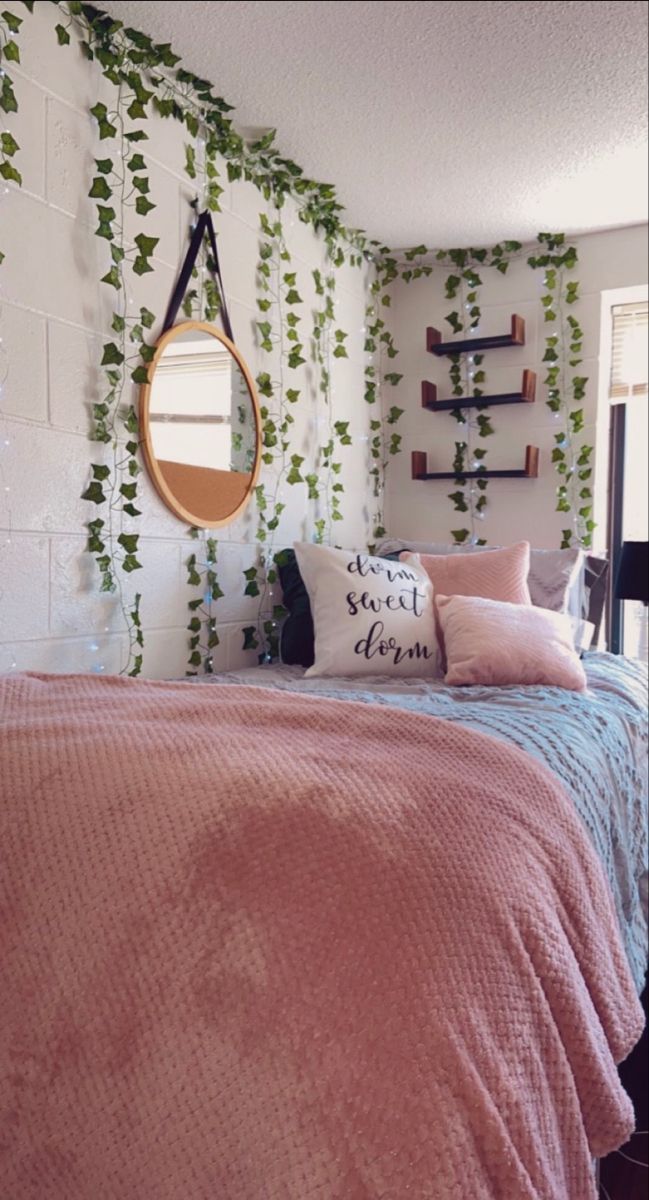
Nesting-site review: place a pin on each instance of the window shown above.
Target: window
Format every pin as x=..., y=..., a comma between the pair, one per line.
x=629, y=358
x=629, y=462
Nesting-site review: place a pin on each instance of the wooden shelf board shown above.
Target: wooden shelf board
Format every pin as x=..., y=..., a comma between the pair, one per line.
x=516, y=337
x=529, y=471
x=514, y=474
x=527, y=395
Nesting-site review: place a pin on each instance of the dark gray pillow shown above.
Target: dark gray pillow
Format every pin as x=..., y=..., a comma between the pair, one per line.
x=596, y=586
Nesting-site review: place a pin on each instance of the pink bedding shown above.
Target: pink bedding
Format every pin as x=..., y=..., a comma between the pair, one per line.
x=257, y=946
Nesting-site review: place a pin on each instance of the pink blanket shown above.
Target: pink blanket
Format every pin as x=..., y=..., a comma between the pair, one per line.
x=257, y=946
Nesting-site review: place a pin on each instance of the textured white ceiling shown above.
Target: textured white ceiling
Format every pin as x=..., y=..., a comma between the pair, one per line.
x=451, y=123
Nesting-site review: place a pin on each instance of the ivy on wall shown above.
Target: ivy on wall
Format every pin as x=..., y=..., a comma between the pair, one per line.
x=571, y=456
x=148, y=78
x=566, y=386
x=9, y=53
x=385, y=441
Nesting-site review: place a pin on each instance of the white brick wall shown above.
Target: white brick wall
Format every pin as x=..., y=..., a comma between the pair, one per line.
x=54, y=315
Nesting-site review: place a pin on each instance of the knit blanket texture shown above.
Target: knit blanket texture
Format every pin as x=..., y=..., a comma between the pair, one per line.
x=262, y=946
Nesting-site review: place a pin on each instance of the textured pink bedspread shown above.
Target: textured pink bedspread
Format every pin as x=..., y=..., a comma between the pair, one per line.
x=257, y=946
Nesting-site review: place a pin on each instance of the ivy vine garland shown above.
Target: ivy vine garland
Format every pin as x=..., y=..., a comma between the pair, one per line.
x=385, y=442
x=566, y=387
x=9, y=53
x=571, y=457
x=147, y=78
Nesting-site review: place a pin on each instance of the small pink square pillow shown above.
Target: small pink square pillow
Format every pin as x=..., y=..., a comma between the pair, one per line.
x=494, y=575
x=488, y=642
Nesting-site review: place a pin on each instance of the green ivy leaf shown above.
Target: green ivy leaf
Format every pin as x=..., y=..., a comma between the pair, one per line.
x=12, y=22
x=112, y=278
x=111, y=354
x=143, y=206
x=10, y=173
x=106, y=127
x=11, y=51
x=100, y=189
x=8, y=102
x=129, y=542
x=141, y=266
x=62, y=35
x=94, y=492
x=146, y=245
x=249, y=638
x=8, y=143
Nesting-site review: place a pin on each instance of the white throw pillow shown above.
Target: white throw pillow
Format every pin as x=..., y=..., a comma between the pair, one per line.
x=370, y=616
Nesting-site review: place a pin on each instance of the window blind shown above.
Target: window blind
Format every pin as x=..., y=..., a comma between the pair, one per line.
x=629, y=364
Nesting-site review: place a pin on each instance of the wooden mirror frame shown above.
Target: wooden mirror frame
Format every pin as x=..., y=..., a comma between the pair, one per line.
x=155, y=472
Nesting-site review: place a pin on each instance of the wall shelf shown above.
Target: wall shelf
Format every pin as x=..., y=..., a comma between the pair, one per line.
x=516, y=337
x=419, y=464
x=527, y=395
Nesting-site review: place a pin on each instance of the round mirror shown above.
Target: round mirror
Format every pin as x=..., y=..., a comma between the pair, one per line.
x=199, y=417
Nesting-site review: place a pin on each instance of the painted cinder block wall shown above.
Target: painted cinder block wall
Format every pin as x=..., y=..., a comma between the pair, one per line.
x=54, y=315
x=517, y=508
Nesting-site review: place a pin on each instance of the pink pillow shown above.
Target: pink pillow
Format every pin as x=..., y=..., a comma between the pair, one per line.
x=494, y=574
x=493, y=643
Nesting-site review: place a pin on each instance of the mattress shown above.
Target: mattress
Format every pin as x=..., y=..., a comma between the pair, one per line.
x=595, y=743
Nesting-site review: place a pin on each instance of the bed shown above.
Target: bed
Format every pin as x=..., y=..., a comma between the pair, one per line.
x=597, y=746
x=269, y=936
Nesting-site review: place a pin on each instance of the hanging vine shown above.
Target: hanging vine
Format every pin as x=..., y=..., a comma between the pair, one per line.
x=563, y=355
x=328, y=344
x=203, y=301
x=566, y=389
x=121, y=182
x=9, y=53
x=379, y=345
x=278, y=324
x=148, y=79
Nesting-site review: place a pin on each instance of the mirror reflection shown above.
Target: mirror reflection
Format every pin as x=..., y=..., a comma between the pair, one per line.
x=201, y=425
